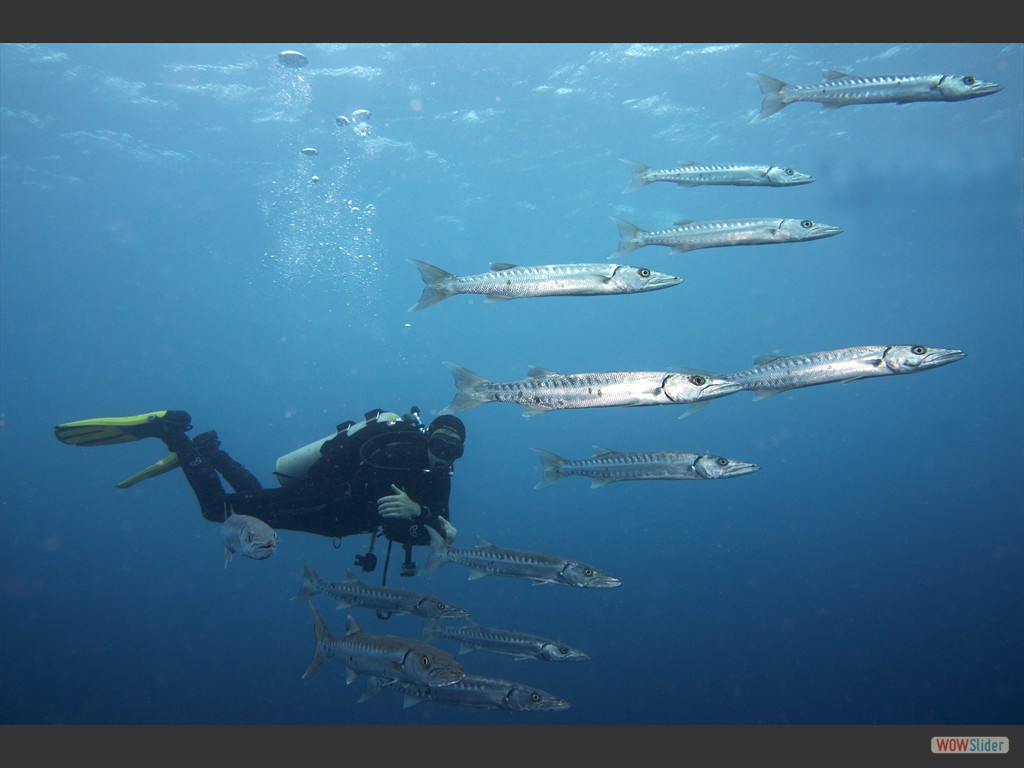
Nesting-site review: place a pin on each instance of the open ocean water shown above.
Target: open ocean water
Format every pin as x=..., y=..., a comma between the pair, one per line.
x=165, y=245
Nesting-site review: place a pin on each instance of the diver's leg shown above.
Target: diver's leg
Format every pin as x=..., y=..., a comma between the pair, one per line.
x=200, y=474
x=238, y=477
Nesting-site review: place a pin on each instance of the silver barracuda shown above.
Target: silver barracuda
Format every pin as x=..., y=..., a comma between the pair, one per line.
x=248, y=536
x=485, y=559
x=511, y=281
x=387, y=656
x=352, y=592
x=729, y=174
x=771, y=375
x=688, y=235
x=520, y=645
x=478, y=692
x=545, y=390
x=607, y=466
x=839, y=89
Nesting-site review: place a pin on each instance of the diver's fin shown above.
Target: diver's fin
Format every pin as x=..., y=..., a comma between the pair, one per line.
x=166, y=464
x=121, y=429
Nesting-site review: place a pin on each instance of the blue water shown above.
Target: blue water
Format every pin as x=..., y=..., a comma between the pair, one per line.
x=164, y=246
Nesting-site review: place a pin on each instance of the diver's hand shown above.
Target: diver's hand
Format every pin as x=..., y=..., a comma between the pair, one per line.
x=398, y=506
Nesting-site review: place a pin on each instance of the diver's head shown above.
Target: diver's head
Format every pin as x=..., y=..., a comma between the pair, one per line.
x=445, y=440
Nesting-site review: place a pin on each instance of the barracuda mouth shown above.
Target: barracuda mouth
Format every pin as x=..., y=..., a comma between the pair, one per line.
x=987, y=88
x=944, y=357
x=719, y=388
x=740, y=468
x=442, y=677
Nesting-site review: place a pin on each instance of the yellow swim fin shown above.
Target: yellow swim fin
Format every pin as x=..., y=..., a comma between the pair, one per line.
x=166, y=464
x=120, y=429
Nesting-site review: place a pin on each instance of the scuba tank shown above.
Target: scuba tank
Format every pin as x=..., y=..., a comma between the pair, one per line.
x=292, y=467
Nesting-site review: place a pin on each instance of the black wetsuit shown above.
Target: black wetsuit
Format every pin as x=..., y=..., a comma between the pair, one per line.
x=338, y=497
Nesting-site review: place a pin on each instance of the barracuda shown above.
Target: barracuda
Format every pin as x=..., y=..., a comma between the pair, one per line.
x=352, y=592
x=839, y=89
x=485, y=559
x=511, y=281
x=476, y=691
x=688, y=235
x=771, y=375
x=607, y=466
x=546, y=390
x=520, y=645
x=736, y=175
x=388, y=656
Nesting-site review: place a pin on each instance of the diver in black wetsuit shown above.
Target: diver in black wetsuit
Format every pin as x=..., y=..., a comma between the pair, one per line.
x=386, y=474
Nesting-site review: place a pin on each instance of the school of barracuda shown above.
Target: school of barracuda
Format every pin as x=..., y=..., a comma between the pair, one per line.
x=422, y=672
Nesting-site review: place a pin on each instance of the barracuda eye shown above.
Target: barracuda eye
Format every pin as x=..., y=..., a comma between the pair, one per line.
x=588, y=572
x=644, y=272
x=698, y=381
x=425, y=661
x=806, y=223
x=563, y=650
x=969, y=80
x=789, y=171
x=723, y=462
x=919, y=350
x=535, y=697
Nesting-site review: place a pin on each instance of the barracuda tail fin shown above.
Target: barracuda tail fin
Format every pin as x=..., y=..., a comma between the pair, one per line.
x=639, y=175
x=437, y=549
x=467, y=383
x=771, y=89
x=550, y=463
x=629, y=239
x=309, y=583
x=322, y=637
x=433, y=284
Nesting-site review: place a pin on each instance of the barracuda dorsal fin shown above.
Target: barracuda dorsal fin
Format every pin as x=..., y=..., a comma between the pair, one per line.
x=834, y=74
x=482, y=542
x=351, y=578
x=766, y=359
x=698, y=372
x=537, y=372
x=601, y=451
x=501, y=266
x=682, y=222
x=685, y=162
x=351, y=627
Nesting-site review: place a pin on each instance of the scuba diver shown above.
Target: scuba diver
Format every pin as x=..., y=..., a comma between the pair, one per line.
x=387, y=474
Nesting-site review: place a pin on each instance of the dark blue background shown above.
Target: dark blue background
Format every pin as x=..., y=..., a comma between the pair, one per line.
x=164, y=247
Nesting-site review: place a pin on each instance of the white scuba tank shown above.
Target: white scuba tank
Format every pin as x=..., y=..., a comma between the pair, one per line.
x=293, y=466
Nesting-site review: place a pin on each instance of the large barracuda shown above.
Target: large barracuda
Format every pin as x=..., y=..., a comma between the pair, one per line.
x=247, y=535
x=485, y=559
x=546, y=390
x=607, y=466
x=839, y=89
x=728, y=174
x=771, y=374
x=354, y=592
x=475, y=691
x=388, y=656
x=511, y=642
x=687, y=235
x=511, y=281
